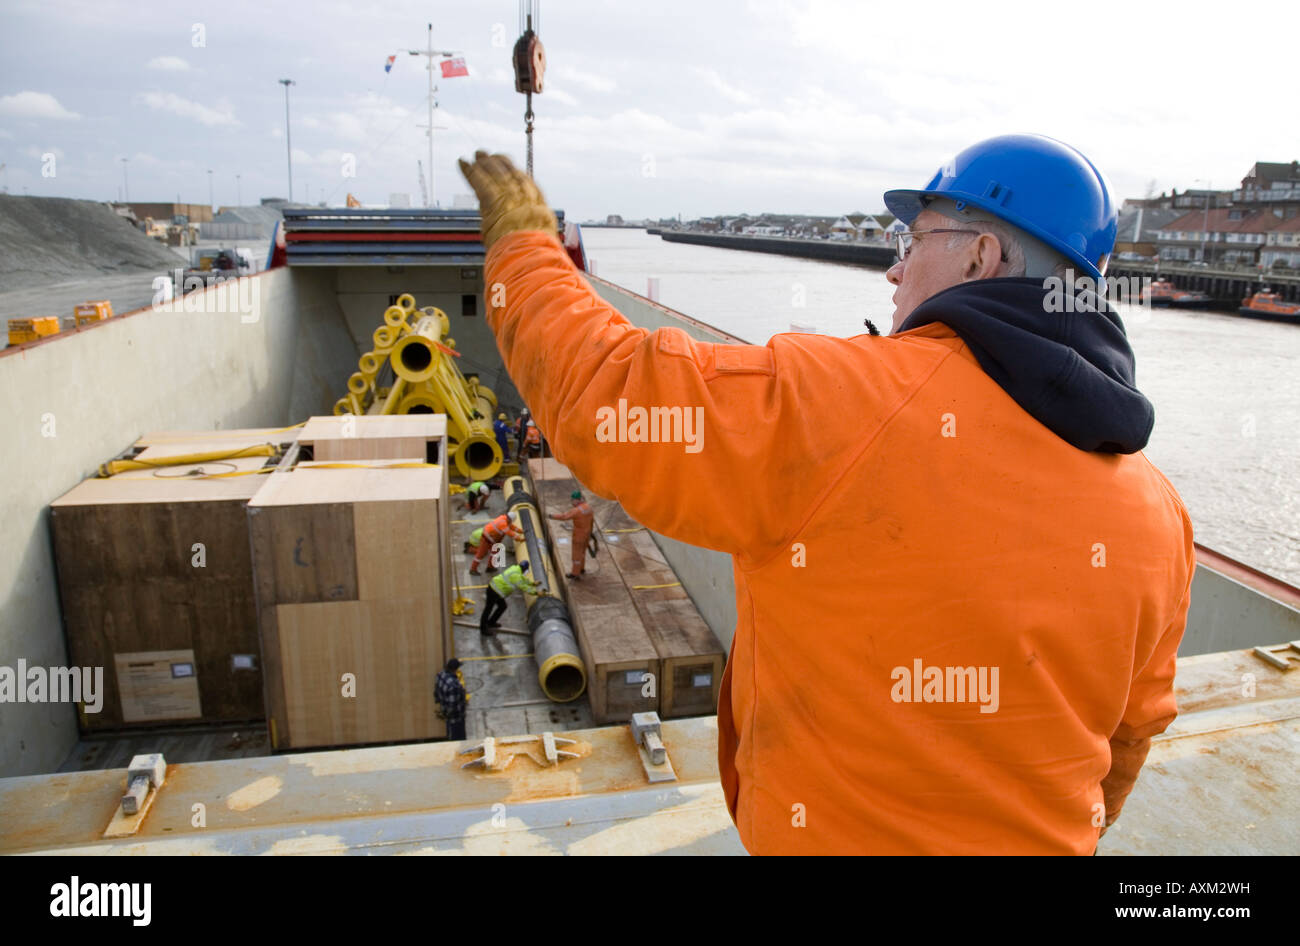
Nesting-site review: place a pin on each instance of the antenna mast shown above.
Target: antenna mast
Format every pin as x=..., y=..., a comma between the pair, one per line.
x=430, y=52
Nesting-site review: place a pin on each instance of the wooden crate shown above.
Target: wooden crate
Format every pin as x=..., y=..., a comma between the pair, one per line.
x=350, y=578
x=376, y=437
x=153, y=565
x=616, y=650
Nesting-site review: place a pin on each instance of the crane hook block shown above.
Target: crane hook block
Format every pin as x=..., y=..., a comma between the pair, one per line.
x=530, y=63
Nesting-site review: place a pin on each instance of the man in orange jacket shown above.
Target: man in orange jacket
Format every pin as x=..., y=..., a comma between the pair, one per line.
x=989, y=680
x=495, y=531
x=583, y=518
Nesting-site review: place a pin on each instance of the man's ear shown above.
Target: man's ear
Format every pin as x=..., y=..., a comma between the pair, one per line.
x=984, y=258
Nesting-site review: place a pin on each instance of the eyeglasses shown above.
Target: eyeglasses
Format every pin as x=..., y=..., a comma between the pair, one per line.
x=903, y=240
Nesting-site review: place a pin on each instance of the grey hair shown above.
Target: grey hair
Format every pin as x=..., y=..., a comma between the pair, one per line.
x=1007, y=238
x=1026, y=255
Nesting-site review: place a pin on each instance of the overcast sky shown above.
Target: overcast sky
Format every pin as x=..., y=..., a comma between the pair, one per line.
x=649, y=109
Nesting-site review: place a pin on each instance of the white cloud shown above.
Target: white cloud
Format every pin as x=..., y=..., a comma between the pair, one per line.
x=170, y=102
x=559, y=95
x=168, y=64
x=368, y=118
x=725, y=88
x=39, y=153
x=588, y=80
x=33, y=105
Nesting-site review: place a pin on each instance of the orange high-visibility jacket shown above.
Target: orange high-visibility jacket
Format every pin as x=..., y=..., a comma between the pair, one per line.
x=499, y=528
x=892, y=514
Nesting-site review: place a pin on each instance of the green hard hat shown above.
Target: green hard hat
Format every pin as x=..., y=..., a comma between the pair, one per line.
x=575, y=495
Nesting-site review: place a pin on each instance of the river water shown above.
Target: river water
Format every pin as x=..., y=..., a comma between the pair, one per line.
x=1226, y=389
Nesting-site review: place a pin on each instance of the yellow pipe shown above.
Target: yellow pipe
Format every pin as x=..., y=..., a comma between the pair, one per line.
x=394, y=397
x=415, y=354
x=429, y=381
x=435, y=312
x=395, y=317
x=560, y=671
x=122, y=466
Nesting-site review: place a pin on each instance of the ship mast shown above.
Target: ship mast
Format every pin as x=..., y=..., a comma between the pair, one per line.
x=429, y=52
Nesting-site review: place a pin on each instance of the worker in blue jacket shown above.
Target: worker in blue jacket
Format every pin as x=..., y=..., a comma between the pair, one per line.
x=502, y=429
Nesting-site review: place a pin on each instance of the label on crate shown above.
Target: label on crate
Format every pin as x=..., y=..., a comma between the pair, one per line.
x=158, y=684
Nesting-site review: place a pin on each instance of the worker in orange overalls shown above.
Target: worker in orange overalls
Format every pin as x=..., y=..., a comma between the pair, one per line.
x=583, y=518
x=989, y=679
x=497, y=530
x=532, y=441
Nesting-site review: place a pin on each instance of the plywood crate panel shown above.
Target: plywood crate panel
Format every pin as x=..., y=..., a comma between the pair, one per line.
x=358, y=672
x=376, y=437
x=350, y=569
x=158, y=561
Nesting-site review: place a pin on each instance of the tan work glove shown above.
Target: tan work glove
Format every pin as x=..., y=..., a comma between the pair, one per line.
x=508, y=198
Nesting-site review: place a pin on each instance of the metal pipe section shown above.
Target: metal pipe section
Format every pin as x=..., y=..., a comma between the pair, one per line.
x=435, y=385
x=427, y=381
x=560, y=670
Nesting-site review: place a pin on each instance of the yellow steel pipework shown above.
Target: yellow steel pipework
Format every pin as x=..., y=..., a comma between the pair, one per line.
x=394, y=397
x=434, y=383
x=427, y=381
x=415, y=354
x=122, y=466
x=560, y=670
x=395, y=317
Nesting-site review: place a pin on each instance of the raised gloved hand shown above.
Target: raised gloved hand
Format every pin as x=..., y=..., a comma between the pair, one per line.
x=508, y=198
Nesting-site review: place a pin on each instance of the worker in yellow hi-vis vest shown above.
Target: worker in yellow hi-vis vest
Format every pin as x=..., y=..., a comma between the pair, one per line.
x=502, y=586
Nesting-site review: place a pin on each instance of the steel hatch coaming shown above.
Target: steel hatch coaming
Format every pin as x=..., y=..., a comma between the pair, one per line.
x=392, y=799
x=369, y=255
x=1218, y=782
x=384, y=237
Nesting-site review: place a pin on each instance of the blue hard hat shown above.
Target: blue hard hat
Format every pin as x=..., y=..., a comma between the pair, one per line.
x=1039, y=185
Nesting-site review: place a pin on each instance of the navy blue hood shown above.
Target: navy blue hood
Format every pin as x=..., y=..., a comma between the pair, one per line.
x=1070, y=370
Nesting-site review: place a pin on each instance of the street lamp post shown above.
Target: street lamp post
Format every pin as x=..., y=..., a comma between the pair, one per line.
x=126, y=194
x=288, y=145
x=211, y=200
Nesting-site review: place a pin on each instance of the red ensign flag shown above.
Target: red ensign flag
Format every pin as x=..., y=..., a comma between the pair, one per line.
x=454, y=67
